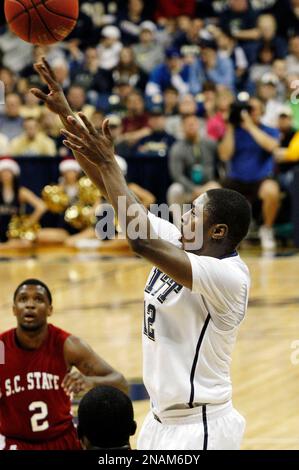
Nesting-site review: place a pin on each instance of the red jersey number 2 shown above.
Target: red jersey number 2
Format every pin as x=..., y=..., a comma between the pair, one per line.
x=38, y=419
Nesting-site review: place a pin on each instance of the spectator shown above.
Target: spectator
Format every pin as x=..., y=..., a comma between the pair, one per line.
x=292, y=59
x=11, y=122
x=109, y=48
x=228, y=48
x=170, y=101
x=175, y=8
x=9, y=79
x=4, y=142
x=248, y=148
x=172, y=72
x=191, y=164
x=135, y=124
x=16, y=53
x=105, y=419
x=128, y=70
x=130, y=21
x=77, y=98
x=240, y=19
x=121, y=147
x=265, y=58
x=287, y=17
x=211, y=66
x=279, y=69
x=216, y=124
x=32, y=142
x=62, y=72
x=267, y=93
x=117, y=101
x=188, y=35
x=174, y=124
x=30, y=107
x=85, y=72
x=148, y=52
x=158, y=142
x=287, y=155
x=267, y=27
x=13, y=197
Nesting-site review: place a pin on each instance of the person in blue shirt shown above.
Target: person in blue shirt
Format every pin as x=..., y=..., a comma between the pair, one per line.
x=248, y=149
x=212, y=67
x=172, y=72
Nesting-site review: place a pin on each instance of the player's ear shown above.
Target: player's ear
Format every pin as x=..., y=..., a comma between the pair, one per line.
x=219, y=231
x=14, y=309
x=133, y=428
x=50, y=310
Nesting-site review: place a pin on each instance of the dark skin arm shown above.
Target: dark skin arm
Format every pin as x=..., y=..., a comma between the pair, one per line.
x=93, y=370
x=98, y=149
x=56, y=102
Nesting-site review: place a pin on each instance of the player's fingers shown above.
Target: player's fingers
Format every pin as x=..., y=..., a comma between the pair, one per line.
x=39, y=94
x=88, y=124
x=48, y=67
x=71, y=137
x=77, y=127
x=70, y=145
x=106, y=130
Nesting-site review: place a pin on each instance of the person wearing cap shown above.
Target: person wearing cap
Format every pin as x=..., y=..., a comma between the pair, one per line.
x=171, y=72
x=159, y=141
x=109, y=48
x=32, y=142
x=267, y=93
x=248, y=150
x=148, y=52
x=211, y=66
x=13, y=198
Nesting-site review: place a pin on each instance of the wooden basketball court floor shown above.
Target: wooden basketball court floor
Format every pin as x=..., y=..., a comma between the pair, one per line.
x=100, y=298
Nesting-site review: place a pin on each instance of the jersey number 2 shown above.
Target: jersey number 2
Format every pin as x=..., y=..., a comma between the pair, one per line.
x=149, y=320
x=41, y=415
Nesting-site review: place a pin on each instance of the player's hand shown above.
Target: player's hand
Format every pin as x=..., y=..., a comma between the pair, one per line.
x=55, y=100
x=75, y=382
x=96, y=146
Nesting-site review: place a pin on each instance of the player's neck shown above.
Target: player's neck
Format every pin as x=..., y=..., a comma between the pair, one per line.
x=215, y=251
x=31, y=339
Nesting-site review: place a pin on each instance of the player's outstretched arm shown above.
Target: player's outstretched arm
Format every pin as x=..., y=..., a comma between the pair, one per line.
x=93, y=370
x=56, y=101
x=98, y=149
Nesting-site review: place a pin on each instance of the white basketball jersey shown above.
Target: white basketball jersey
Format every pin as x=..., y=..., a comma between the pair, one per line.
x=189, y=335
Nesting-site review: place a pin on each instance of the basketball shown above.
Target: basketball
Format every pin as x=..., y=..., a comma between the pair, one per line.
x=41, y=21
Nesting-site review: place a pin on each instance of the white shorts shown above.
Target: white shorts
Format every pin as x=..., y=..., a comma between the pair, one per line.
x=217, y=427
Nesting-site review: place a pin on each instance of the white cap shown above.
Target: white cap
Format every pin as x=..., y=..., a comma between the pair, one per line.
x=111, y=32
x=9, y=164
x=122, y=164
x=285, y=110
x=69, y=164
x=148, y=25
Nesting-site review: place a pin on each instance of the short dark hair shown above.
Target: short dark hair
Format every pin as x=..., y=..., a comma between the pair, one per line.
x=34, y=282
x=229, y=207
x=106, y=417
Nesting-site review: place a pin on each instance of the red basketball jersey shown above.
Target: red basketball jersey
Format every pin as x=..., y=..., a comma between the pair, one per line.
x=33, y=406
